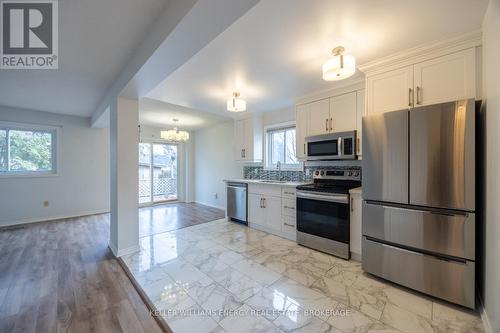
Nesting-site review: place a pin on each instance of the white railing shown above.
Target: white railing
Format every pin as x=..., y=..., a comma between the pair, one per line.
x=161, y=187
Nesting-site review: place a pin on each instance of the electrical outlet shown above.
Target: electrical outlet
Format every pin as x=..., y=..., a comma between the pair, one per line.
x=216, y=195
x=45, y=204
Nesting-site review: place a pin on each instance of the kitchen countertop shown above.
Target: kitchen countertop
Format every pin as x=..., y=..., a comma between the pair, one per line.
x=260, y=182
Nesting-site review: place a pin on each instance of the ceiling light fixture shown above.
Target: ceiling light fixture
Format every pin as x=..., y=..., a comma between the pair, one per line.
x=340, y=67
x=174, y=134
x=236, y=104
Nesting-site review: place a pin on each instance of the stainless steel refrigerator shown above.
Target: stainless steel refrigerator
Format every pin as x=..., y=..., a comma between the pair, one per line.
x=419, y=191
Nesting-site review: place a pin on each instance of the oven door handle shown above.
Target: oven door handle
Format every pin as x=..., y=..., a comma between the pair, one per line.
x=340, y=198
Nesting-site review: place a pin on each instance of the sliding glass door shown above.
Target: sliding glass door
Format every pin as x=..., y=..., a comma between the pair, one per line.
x=158, y=178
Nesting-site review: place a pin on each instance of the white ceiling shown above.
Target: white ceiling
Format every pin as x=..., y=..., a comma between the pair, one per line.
x=96, y=39
x=161, y=114
x=273, y=54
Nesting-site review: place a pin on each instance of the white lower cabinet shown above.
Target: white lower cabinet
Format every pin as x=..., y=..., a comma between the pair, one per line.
x=271, y=208
x=355, y=221
x=255, y=209
x=272, y=211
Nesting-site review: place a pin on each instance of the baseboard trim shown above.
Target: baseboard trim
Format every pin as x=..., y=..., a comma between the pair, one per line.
x=210, y=205
x=123, y=252
x=50, y=218
x=484, y=316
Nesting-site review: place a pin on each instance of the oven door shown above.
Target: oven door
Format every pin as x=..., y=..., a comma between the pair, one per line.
x=323, y=221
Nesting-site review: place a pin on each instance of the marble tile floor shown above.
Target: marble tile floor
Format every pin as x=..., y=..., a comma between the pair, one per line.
x=224, y=277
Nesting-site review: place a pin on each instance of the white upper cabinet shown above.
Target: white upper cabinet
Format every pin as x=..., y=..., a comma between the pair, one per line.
x=360, y=112
x=389, y=91
x=441, y=79
x=339, y=113
x=318, y=120
x=301, y=118
x=248, y=139
x=343, y=112
x=445, y=79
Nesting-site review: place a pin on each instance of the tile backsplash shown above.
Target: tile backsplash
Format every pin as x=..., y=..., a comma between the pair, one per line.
x=258, y=172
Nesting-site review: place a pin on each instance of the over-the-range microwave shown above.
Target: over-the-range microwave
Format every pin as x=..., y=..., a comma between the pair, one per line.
x=332, y=146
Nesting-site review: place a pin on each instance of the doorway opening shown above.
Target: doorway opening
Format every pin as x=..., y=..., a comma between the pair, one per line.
x=158, y=172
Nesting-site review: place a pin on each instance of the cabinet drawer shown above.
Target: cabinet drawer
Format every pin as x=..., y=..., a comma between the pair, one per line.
x=288, y=192
x=289, y=224
x=449, y=280
x=289, y=207
x=271, y=190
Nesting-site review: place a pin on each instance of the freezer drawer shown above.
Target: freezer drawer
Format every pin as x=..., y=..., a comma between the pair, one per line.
x=432, y=231
x=385, y=157
x=448, y=280
x=442, y=155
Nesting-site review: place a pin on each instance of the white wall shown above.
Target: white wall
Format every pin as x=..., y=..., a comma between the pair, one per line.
x=186, y=165
x=278, y=116
x=491, y=91
x=214, y=161
x=82, y=184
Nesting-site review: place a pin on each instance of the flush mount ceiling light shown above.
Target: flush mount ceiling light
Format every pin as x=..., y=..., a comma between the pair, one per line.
x=236, y=104
x=174, y=134
x=340, y=67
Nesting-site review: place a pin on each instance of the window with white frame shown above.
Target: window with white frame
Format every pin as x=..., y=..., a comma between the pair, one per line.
x=281, y=147
x=27, y=149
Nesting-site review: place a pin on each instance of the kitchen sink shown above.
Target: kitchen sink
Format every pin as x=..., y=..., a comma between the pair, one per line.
x=273, y=181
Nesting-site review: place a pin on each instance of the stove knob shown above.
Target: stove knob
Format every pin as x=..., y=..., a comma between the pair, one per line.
x=316, y=172
x=322, y=172
x=349, y=173
x=356, y=174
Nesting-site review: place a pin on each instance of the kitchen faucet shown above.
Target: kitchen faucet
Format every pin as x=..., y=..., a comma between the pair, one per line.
x=278, y=166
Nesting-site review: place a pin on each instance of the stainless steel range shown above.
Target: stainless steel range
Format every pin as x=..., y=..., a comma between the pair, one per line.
x=323, y=210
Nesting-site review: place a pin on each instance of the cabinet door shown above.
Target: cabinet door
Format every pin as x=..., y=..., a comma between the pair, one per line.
x=301, y=116
x=318, y=121
x=255, y=210
x=390, y=91
x=360, y=112
x=343, y=112
x=239, y=135
x=355, y=216
x=446, y=79
x=248, y=141
x=272, y=212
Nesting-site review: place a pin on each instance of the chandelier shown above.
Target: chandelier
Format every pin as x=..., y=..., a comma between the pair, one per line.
x=174, y=134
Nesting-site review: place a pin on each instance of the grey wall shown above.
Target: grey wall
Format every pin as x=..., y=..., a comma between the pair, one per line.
x=82, y=184
x=491, y=92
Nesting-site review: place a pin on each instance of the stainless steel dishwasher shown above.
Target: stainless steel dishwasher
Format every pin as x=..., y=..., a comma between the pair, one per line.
x=237, y=202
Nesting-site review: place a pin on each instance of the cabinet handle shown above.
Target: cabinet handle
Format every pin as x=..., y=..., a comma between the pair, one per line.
x=419, y=92
x=357, y=146
x=410, y=99
x=288, y=224
x=288, y=207
x=326, y=124
x=264, y=202
x=261, y=206
x=331, y=124
x=304, y=148
x=352, y=205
